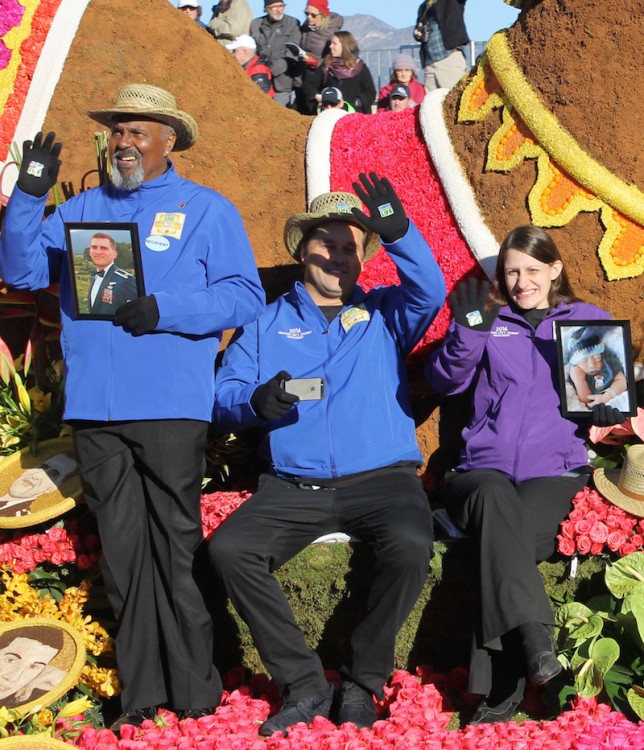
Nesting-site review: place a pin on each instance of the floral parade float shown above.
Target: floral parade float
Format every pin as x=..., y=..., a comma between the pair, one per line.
x=541, y=131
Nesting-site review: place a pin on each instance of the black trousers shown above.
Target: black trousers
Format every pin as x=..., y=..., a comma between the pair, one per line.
x=142, y=481
x=516, y=526
x=389, y=512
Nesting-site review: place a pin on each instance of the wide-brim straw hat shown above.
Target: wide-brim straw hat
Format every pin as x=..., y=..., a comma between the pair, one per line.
x=150, y=101
x=328, y=207
x=625, y=487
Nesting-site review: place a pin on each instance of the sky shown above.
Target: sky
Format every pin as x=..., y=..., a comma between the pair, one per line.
x=482, y=17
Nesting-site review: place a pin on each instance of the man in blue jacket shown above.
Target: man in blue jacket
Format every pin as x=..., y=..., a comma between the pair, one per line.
x=345, y=460
x=140, y=390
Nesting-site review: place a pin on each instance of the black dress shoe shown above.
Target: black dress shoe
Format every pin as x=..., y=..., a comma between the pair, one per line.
x=306, y=709
x=135, y=717
x=194, y=713
x=485, y=714
x=356, y=706
x=539, y=649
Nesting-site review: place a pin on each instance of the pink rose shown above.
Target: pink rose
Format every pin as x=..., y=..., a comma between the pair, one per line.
x=583, y=527
x=615, y=539
x=565, y=546
x=626, y=549
x=583, y=544
x=637, y=540
x=567, y=529
x=598, y=532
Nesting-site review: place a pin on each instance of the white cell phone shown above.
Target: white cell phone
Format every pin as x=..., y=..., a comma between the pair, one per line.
x=306, y=389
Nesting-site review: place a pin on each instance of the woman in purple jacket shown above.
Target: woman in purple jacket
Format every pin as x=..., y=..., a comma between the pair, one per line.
x=522, y=461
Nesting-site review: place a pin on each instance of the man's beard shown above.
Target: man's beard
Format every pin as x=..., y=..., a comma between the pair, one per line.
x=132, y=181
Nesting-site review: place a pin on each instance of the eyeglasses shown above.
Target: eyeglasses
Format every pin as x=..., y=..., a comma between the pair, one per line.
x=312, y=15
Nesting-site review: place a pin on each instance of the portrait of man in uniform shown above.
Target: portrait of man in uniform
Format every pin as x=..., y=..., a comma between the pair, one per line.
x=105, y=267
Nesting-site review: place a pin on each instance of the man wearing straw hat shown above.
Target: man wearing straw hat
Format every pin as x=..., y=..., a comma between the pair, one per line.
x=345, y=459
x=140, y=390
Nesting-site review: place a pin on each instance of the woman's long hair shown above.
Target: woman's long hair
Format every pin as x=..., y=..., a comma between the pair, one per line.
x=350, y=50
x=536, y=243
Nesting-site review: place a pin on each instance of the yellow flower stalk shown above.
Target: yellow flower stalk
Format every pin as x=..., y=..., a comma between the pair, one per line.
x=79, y=706
x=23, y=396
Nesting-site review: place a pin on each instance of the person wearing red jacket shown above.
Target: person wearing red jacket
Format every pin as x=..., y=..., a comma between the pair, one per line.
x=244, y=50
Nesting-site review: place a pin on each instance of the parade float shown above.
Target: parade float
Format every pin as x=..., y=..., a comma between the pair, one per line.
x=543, y=130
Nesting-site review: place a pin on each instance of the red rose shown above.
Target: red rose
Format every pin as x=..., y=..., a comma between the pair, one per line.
x=596, y=548
x=566, y=546
x=583, y=544
x=583, y=527
x=626, y=549
x=615, y=539
x=598, y=532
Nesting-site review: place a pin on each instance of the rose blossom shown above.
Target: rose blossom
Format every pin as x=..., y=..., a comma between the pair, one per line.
x=598, y=532
x=615, y=539
x=583, y=544
x=565, y=546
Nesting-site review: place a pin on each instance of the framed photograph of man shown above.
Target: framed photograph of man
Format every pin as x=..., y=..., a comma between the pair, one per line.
x=105, y=267
x=595, y=366
x=40, y=660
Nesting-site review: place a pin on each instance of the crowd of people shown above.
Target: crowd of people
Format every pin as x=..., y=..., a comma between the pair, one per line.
x=294, y=62
x=320, y=372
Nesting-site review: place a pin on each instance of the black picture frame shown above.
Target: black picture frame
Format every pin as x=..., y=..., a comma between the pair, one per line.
x=605, y=341
x=123, y=278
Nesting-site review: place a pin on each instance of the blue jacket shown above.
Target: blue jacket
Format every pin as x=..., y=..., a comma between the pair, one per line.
x=198, y=263
x=364, y=421
x=512, y=372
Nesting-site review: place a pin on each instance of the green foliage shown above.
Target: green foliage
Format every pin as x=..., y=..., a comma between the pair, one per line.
x=600, y=642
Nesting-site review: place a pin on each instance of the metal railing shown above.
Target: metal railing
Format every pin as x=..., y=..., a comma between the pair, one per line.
x=380, y=61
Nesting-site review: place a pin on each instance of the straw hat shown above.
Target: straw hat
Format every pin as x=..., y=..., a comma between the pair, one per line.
x=625, y=487
x=328, y=207
x=154, y=102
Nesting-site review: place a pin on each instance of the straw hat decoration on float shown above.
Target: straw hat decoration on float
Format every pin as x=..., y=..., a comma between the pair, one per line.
x=625, y=487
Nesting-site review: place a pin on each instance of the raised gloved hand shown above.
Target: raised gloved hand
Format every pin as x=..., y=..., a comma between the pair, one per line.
x=302, y=54
x=387, y=215
x=468, y=303
x=603, y=415
x=270, y=401
x=139, y=315
x=40, y=164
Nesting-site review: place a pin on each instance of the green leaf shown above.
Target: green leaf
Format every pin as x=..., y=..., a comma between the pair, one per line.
x=634, y=605
x=590, y=672
x=579, y=621
x=635, y=697
x=626, y=575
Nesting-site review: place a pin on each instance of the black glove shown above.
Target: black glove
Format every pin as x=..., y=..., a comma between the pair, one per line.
x=468, y=302
x=40, y=165
x=603, y=415
x=138, y=316
x=388, y=218
x=270, y=401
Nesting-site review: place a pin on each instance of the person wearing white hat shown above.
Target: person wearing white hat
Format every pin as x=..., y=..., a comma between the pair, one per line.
x=344, y=460
x=192, y=10
x=244, y=50
x=139, y=390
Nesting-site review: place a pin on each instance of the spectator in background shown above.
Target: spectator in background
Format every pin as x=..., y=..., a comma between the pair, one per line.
x=230, y=19
x=272, y=32
x=193, y=11
x=343, y=69
x=404, y=71
x=400, y=98
x=317, y=30
x=331, y=98
x=244, y=50
x=440, y=29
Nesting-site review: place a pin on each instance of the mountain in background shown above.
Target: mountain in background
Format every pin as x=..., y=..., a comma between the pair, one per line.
x=371, y=33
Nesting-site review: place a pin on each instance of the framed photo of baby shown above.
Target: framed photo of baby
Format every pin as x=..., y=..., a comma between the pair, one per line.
x=595, y=366
x=105, y=267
